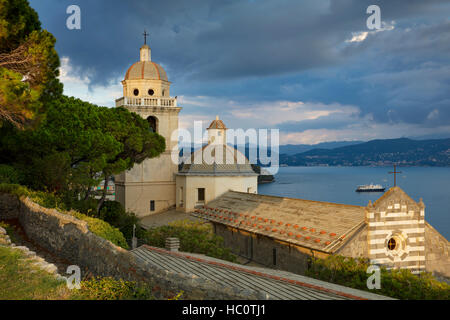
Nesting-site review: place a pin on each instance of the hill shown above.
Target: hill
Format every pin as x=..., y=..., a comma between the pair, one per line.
x=406, y=152
x=291, y=149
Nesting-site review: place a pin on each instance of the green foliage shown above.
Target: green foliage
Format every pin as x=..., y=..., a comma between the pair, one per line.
x=28, y=51
x=88, y=206
x=400, y=284
x=195, y=237
x=110, y=289
x=16, y=98
x=137, y=142
x=14, y=189
x=102, y=229
x=115, y=214
x=75, y=142
x=9, y=174
x=17, y=21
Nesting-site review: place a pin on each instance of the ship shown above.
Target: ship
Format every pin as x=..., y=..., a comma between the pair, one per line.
x=370, y=188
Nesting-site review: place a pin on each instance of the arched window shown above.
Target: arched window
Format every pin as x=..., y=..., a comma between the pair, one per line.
x=153, y=122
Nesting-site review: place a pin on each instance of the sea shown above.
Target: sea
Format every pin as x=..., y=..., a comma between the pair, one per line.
x=338, y=184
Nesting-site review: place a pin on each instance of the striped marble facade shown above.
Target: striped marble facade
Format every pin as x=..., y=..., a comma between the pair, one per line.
x=396, y=216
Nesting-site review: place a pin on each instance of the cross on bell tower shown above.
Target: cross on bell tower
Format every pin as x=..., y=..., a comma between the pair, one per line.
x=145, y=52
x=395, y=174
x=145, y=34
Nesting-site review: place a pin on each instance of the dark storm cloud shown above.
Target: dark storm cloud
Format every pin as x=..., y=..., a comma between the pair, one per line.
x=274, y=50
x=213, y=39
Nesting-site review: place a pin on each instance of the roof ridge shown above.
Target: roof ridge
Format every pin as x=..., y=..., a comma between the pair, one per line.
x=391, y=191
x=290, y=198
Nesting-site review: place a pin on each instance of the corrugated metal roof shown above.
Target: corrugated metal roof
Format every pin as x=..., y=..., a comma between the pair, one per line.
x=278, y=285
x=317, y=225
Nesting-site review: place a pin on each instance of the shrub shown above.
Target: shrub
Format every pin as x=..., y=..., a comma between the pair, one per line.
x=47, y=200
x=114, y=213
x=102, y=229
x=88, y=206
x=9, y=174
x=14, y=189
x=110, y=289
x=195, y=237
x=400, y=284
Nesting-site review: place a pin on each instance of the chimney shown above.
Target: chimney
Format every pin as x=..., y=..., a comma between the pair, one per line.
x=172, y=244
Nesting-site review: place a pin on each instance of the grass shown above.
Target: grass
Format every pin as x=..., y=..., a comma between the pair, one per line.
x=20, y=280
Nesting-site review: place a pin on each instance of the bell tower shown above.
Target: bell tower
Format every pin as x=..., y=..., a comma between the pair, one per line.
x=149, y=187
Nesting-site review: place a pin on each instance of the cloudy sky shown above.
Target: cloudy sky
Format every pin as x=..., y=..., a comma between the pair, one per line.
x=312, y=69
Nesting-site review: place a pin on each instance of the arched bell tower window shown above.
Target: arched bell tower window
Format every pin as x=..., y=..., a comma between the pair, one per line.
x=153, y=122
x=151, y=92
x=136, y=92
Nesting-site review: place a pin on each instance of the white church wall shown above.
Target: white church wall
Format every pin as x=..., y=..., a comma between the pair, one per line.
x=214, y=186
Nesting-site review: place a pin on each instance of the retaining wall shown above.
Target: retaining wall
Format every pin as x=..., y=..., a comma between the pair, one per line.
x=70, y=238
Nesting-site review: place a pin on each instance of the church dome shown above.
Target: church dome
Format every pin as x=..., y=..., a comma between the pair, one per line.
x=217, y=124
x=216, y=160
x=147, y=70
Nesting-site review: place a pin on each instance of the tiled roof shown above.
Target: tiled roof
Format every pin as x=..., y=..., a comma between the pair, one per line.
x=217, y=159
x=317, y=225
x=217, y=124
x=274, y=284
x=146, y=70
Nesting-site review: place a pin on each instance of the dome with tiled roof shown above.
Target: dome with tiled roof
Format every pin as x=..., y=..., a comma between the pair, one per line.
x=145, y=68
x=217, y=124
x=217, y=159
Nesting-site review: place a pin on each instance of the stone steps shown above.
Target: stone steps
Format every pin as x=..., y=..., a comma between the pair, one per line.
x=30, y=256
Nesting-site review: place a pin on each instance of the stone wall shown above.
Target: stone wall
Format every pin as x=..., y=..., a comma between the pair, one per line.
x=266, y=251
x=437, y=256
x=71, y=239
x=356, y=246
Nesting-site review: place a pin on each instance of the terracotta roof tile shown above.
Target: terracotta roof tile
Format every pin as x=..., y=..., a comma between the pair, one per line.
x=334, y=221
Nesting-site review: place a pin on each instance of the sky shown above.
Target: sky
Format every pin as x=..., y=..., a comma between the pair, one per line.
x=311, y=69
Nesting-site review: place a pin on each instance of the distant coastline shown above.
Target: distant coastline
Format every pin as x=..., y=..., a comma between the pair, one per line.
x=376, y=153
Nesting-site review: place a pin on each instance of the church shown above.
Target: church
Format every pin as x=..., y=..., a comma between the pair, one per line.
x=218, y=185
x=156, y=185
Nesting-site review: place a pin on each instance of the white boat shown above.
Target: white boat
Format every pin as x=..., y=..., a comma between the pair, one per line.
x=370, y=188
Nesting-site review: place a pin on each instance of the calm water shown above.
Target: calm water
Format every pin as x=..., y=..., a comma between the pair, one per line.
x=338, y=184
